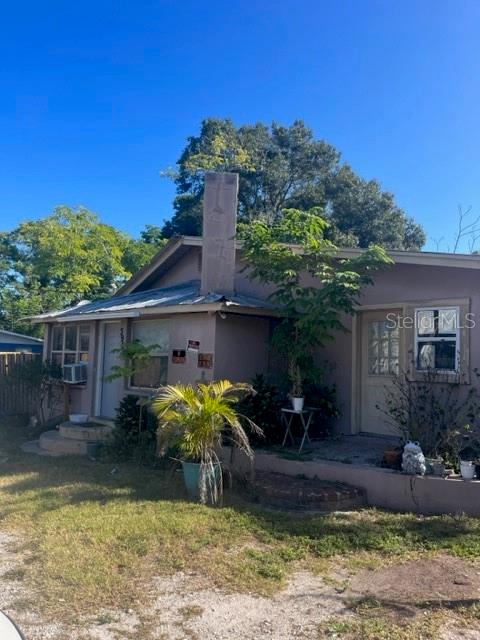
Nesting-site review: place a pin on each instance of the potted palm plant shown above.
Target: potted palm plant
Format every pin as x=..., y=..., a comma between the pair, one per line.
x=196, y=422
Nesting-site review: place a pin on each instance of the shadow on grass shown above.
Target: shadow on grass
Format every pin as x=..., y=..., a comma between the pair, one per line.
x=410, y=609
x=40, y=484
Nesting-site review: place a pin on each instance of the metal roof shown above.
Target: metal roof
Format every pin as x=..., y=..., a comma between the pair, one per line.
x=181, y=295
x=21, y=336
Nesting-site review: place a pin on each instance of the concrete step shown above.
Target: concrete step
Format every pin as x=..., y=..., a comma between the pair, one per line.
x=53, y=442
x=91, y=432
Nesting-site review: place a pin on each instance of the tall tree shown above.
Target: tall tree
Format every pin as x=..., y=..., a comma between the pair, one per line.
x=58, y=260
x=287, y=167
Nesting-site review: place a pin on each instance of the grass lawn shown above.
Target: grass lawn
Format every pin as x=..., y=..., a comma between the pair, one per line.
x=94, y=534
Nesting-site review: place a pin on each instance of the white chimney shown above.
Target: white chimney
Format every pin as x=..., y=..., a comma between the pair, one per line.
x=219, y=228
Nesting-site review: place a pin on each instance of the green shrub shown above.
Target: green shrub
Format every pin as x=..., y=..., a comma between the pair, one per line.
x=323, y=397
x=135, y=434
x=263, y=408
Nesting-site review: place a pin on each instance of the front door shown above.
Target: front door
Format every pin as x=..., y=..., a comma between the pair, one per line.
x=110, y=392
x=381, y=349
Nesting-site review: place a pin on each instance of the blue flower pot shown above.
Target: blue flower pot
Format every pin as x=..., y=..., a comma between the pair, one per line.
x=191, y=476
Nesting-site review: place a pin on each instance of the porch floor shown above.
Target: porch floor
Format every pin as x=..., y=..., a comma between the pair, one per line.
x=354, y=449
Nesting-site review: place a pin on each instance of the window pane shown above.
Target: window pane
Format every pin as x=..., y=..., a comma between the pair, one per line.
x=57, y=359
x=153, y=375
x=70, y=358
x=152, y=332
x=447, y=322
x=441, y=355
x=85, y=338
x=426, y=323
x=83, y=357
x=383, y=350
x=71, y=338
x=57, y=339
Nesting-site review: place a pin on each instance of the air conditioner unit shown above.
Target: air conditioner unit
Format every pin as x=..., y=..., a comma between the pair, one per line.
x=75, y=373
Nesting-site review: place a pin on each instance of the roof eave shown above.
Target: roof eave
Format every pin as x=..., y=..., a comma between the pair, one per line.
x=227, y=307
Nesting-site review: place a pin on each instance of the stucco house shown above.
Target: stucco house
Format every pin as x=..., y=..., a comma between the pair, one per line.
x=211, y=321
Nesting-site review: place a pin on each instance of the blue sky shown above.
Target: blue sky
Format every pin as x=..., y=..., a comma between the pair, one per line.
x=96, y=98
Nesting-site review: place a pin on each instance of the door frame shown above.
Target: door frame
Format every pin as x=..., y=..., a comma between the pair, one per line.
x=356, y=389
x=101, y=364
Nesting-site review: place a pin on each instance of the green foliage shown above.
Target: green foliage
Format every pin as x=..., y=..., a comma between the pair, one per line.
x=287, y=167
x=324, y=398
x=44, y=380
x=135, y=357
x=58, y=260
x=263, y=408
x=196, y=421
x=135, y=434
x=436, y=412
x=294, y=255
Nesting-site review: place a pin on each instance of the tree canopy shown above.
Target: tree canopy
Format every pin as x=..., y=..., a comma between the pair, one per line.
x=68, y=256
x=295, y=255
x=287, y=167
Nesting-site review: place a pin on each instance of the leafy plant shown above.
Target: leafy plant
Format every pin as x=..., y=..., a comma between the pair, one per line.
x=88, y=260
x=45, y=381
x=263, y=408
x=196, y=421
x=313, y=286
x=439, y=413
x=324, y=398
x=135, y=434
x=135, y=357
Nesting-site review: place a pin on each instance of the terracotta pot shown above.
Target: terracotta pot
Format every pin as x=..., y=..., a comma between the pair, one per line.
x=392, y=458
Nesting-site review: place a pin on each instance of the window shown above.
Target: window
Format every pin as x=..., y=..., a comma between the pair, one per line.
x=437, y=339
x=150, y=332
x=70, y=344
x=383, y=349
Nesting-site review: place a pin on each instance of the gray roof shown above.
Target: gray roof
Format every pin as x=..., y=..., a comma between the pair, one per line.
x=184, y=294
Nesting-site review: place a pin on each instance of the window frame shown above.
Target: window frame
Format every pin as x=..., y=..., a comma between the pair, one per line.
x=390, y=357
x=78, y=351
x=454, y=337
x=160, y=354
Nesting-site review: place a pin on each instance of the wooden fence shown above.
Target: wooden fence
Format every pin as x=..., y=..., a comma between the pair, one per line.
x=16, y=396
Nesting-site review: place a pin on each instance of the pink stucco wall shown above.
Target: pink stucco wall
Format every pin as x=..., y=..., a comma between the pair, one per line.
x=241, y=347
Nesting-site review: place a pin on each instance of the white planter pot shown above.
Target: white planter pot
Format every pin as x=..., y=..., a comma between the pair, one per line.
x=467, y=469
x=78, y=418
x=298, y=403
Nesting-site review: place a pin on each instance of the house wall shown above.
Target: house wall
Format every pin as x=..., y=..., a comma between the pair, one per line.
x=184, y=327
x=241, y=347
x=403, y=284
x=400, y=284
x=187, y=268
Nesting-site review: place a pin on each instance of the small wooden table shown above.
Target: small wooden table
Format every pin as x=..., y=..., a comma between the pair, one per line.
x=305, y=415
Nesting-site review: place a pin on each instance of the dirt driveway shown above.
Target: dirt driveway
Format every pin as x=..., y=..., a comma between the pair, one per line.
x=421, y=598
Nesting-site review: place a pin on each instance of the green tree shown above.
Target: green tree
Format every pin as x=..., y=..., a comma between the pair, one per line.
x=287, y=167
x=295, y=255
x=58, y=260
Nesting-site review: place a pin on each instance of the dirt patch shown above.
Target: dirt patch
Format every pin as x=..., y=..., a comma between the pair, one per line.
x=186, y=606
x=14, y=593
x=406, y=588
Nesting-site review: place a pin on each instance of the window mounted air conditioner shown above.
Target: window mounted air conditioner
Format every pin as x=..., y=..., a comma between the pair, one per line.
x=75, y=373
